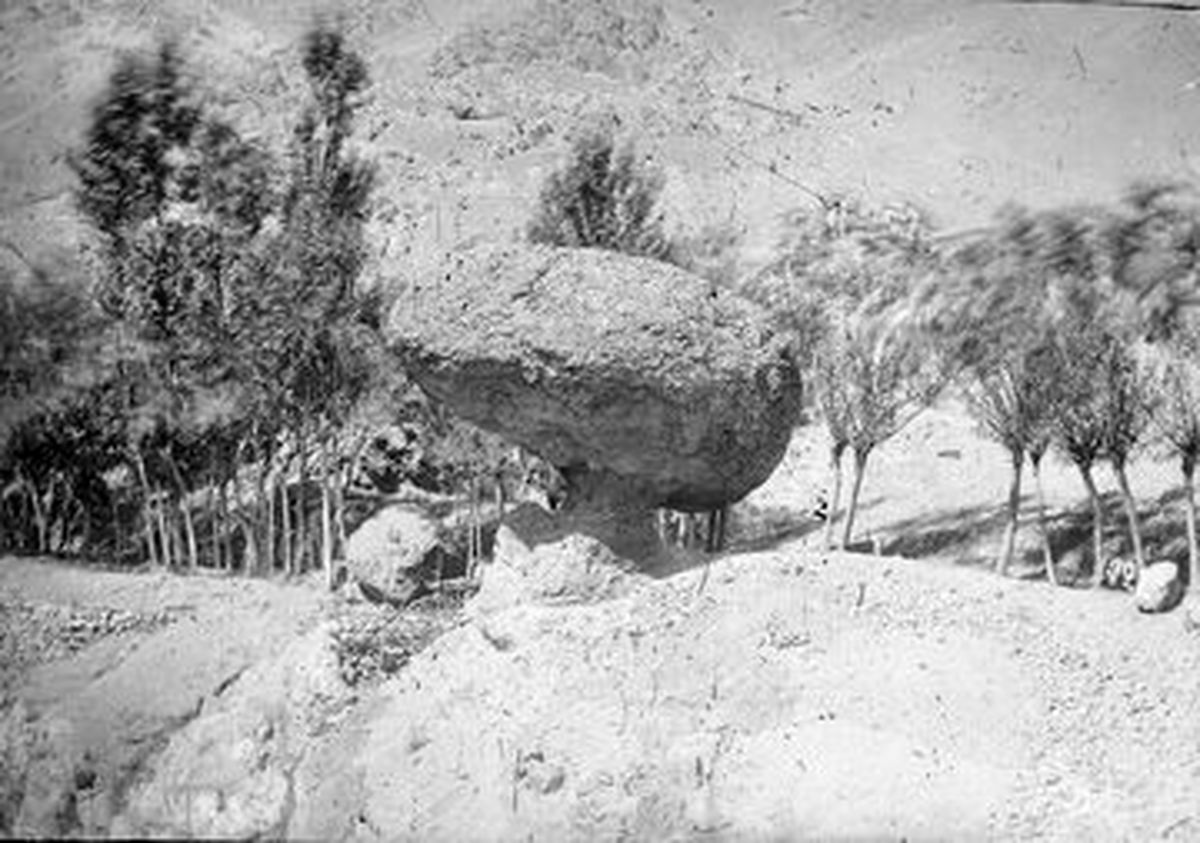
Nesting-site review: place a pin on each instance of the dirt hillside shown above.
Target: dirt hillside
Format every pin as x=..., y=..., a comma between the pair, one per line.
x=752, y=108
x=774, y=691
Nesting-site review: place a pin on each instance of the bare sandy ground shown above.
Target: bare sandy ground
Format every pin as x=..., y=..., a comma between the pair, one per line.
x=774, y=692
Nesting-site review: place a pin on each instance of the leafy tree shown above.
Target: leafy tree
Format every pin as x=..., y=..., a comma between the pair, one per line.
x=131, y=181
x=327, y=206
x=605, y=197
x=49, y=331
x=1156, y=245
x=1103, y=406
x=128, y=169
x=1154, y=242
x=1044, y=286
x=238, y=299
x=844, y=275
x=1172, y=369
x=1010, y=401
x=1023, y=356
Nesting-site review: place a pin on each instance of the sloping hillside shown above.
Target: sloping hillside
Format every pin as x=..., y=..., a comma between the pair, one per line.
x=752, y=107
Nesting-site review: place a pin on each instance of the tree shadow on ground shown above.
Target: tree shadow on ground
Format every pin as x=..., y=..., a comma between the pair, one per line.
x=971, y=536
x=757, y=529
x=959, y=533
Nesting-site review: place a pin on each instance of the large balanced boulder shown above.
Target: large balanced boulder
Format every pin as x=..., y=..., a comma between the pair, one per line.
x=640, y=381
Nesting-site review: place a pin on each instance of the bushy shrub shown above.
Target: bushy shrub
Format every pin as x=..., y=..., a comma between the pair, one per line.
x=605, y=197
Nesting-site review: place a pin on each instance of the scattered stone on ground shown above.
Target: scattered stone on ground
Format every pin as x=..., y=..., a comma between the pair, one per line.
x=33, y=633
x=1159, y=587
x=374, y=642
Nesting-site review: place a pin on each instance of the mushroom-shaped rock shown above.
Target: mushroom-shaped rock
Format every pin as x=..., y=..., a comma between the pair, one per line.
x=642, y=382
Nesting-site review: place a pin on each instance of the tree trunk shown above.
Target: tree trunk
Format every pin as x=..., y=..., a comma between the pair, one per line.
x=716, y=529
x=339, y=509
x=285, y=523
x=1017, y=459
x=835, y=460
x=185, y=511
x=1043, y=527
x=115, y=524
x=1189, y=499
x=302, y=560
x=326, y=518
x=164, y=534
x=860, y=469
x=264, y=512
x=65, y=499
x=1085, y=471
x=41, y=529
x=214, y=526
x=1135, y=528
x=147, y=503
x=501, y=497
x=228, y=478
x=179, y=536
x=473, y=543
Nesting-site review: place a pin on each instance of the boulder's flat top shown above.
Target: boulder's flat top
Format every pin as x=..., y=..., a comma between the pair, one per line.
x=583, y=308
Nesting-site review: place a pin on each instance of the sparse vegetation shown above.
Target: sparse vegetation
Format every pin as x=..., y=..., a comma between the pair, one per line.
x=590, y=35
x=605, y=197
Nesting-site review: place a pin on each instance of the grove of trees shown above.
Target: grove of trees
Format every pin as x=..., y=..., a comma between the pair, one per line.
x=203, y=400
x=1067, y=331
x=1070, y=331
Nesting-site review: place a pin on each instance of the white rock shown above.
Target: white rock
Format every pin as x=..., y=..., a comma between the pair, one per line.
x=1158, y=588
x=390, y=546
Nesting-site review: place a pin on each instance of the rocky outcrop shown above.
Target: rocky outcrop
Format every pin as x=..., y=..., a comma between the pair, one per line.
x=641, y=382
x=229, y=773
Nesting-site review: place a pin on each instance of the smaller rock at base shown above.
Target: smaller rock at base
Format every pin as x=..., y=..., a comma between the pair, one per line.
x=1159, y=588
x=390, y=552
x=542, y=559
